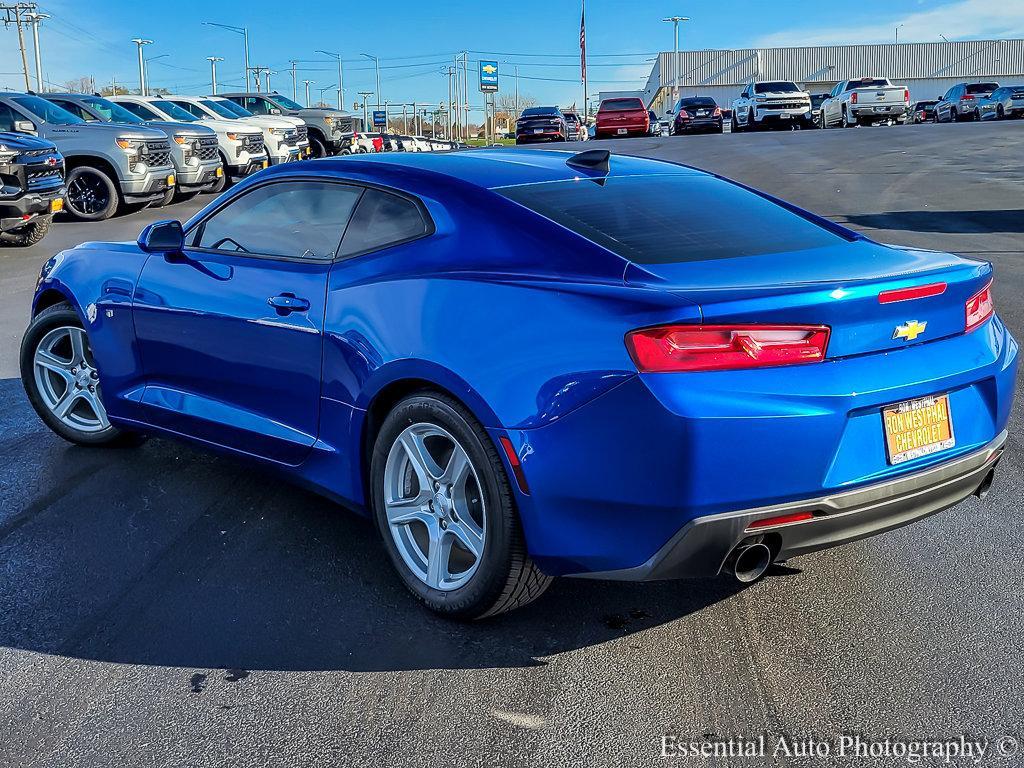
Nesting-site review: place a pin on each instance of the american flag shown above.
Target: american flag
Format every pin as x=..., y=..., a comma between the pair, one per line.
x=583, y=41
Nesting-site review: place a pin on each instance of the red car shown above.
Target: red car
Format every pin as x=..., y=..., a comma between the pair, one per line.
x=622, y=117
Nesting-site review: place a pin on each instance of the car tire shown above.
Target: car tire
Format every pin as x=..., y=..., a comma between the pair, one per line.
x=953, y=116
x=316, y=146
x=92, y=194
x=751, y=122
x=976, y=116
x=30, y=234
x=734, y=126
x=1000, y=114
x=167, y=199
x=500, y=576
x=58, y=371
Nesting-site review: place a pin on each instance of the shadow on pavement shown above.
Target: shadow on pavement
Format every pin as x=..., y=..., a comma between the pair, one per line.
x=165, y=555
x=951, y=222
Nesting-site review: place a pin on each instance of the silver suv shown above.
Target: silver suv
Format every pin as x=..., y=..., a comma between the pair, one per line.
x=193, y=147
x=109, y=166
x=328, y=128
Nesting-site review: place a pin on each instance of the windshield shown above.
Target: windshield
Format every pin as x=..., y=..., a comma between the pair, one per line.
x=47, y=111
x=532, y=111
x=818, y=98
x=285, y=102
x=703, y=101
x=982, y=87
x=667, y=219
x=108, y=110
x=174, y=112
x=779, y=87
x=620, y=105
x=218, y=108
x=228, y=106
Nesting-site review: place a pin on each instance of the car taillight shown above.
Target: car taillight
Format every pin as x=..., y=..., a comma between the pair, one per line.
x=853, y=97
x=968, y=97
x=979, y=308
x=684, y=114
x=672, y=348
x=906, y=95
x=924, y=114
x=718, y=112
x=908, y=294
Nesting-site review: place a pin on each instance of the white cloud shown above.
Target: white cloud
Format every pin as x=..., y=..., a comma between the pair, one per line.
x=964, y=19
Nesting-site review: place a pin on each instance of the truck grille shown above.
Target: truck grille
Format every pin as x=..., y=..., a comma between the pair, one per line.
x=253, y=143
x=786, y=105
x=207, y=148
x=36, y=152
x=291, y=139
x=159, y=154
x=40, y=179
x=302, y=132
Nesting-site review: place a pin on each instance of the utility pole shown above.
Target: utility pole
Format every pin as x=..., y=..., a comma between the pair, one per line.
x=675, y=21
x=306, y=83
x=295, y=95
x=365, y=95
x=13, y=14
x=139, y=41
x=341, y=77
x=267, y=73
x=213, y=72
x=34, y=19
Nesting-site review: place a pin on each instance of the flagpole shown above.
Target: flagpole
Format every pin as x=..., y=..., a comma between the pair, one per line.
x=583, y=59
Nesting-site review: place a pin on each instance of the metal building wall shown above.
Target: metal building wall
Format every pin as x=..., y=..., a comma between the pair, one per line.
x=928, y=69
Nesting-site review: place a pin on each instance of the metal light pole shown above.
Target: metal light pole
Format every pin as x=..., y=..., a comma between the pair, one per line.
x=365, y=95
x=323, y=91
x=266, y=76
x=244, y=32
x=376, y=64
x=148, y=59
x=341, y=77
x=139, y=41
x=307, y=82
x=34, y=18
x=213, y=72
x=295, y=95
x=898, y=33
x=675, y=20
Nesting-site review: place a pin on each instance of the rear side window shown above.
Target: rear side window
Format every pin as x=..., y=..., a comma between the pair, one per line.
x=621, y=105
x=383, y=219
x=293, y=219
x=139, y=110
x=672, y=218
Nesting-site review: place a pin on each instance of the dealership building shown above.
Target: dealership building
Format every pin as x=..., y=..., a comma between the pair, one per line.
x=927, y=69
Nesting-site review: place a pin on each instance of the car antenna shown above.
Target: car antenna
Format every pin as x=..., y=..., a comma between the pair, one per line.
x=598, y=160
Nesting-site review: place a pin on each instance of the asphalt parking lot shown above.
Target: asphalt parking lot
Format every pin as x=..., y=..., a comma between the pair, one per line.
x=166, y=607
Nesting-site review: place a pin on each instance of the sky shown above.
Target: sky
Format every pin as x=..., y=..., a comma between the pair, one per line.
x=414, y=41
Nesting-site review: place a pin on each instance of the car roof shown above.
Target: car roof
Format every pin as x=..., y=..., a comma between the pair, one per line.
x=486, y=168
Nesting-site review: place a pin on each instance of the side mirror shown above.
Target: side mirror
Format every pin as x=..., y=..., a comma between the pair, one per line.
x=162, y=237
x=24, y=126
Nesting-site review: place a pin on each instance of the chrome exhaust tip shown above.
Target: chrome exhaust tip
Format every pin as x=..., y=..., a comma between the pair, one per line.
x=986, y=484
x=749, y=562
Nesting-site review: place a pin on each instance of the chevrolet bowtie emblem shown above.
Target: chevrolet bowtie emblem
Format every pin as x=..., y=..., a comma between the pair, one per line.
x=490, y=69
x=909, y=331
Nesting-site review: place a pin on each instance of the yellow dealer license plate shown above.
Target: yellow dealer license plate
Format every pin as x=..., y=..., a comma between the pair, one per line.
x=917, y=428
x=170, y=180
x=56, y=206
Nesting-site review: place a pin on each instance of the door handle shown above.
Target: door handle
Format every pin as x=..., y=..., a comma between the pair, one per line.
x=288, y=302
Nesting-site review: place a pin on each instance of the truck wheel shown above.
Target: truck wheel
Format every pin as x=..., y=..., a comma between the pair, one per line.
x=846, y=119
x=953, y=116
x=167, y=199
x=317, y=146
x=92, y=195
x=28, y=235
x=734, y=125
x=751, y=122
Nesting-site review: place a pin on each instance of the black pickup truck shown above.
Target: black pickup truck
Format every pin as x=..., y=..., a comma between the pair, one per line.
x=31, y=187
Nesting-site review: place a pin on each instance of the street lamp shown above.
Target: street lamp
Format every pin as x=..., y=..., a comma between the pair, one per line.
x=376, y=64
x=365, y=95
x=898, y=32
x=341, y=78
x=213, y=72
x=139, y=41
x=324, y=90
x=266, y=77
x=675, y=21
x=306, y=83
x=244, y=32
x=34, y=19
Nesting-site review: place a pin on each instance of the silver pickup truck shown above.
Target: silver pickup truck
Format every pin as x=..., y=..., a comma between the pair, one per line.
x=109, y=167
x=864, y=101
x=193, y=147
x=330, y=131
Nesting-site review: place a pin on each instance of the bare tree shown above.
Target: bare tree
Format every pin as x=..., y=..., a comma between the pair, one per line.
x=80, y=85
x=506, y=102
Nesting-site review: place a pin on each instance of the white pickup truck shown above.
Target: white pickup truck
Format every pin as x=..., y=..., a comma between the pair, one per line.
x=864, y=101
x=778, y=103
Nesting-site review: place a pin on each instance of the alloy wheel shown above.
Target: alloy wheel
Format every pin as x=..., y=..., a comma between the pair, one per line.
x=67, y=380
x=87, y=194
x=434, y=506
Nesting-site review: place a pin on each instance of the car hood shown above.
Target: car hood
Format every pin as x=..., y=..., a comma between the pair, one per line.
x=24, y=141
x=268, y=121
x=128, y=130
x=233, y=126
x=781, y=95
x=172, y=127
x=319, y=113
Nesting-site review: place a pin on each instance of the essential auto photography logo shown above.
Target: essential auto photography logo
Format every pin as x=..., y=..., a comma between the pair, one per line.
x=959, y=749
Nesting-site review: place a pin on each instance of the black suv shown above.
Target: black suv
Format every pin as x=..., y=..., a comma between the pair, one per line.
x=31, y=187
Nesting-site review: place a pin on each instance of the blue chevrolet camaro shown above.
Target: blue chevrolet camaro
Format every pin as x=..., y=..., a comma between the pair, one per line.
x=528, y=364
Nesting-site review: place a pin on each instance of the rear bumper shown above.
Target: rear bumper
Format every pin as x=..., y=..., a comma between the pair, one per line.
x=613, y=482
x=525, y=138
x=701, y=547
x=613, y=130
x=698, y=125
x=880, y=110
